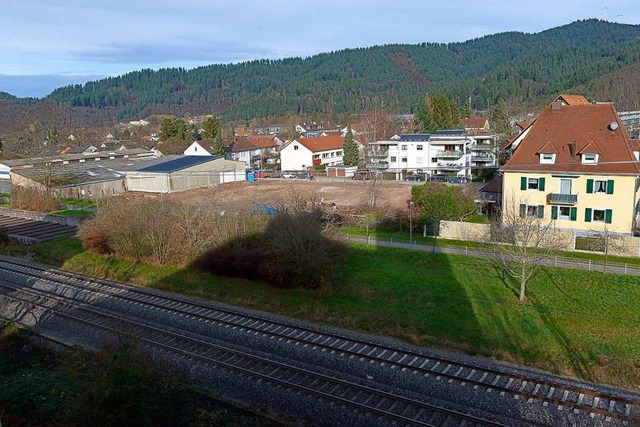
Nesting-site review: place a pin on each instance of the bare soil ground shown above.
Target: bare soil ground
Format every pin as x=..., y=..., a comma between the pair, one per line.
x=344, y=193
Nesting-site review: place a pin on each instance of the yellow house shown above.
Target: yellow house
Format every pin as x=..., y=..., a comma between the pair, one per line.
x=575, y=165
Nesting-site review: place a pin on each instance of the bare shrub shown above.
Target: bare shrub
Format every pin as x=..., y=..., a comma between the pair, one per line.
x=33, y=199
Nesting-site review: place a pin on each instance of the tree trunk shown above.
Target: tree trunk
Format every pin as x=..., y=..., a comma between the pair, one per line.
x=523, y=282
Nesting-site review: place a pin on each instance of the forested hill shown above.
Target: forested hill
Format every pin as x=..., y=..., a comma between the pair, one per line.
x=529, y=68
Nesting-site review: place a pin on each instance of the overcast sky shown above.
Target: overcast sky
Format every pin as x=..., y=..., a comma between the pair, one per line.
x=45, y=44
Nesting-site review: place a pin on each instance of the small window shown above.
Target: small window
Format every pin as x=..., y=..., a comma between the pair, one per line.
x=419, y=148
x=532, y=210
x=404, y=147
x=434, y=160
x=599, y=186
x=532, y=183
x=404, y=160
x=590, y=159
x=394, y=158
x=547, y=158
x=295, y=147
x=564, y=212
x=598, y=215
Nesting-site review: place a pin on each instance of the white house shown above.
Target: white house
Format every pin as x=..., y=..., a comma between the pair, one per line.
x=303, y=153
x=449, y=152
x=203, y=147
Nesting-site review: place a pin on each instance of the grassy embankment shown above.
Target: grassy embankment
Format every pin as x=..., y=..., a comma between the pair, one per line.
x=116, y=386
x=573, y=322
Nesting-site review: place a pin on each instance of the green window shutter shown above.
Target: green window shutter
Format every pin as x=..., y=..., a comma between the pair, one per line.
x=541, y=184
x=607, y=216
x=609, y=186
x=587, y=215
x=589, y=186
x=523, y=183
x=523, y=210
x=540, y=211
x=574, y=214
x=554, y=212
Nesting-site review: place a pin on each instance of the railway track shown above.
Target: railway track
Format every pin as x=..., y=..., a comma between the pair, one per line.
x=561, y=395
x=367, y=399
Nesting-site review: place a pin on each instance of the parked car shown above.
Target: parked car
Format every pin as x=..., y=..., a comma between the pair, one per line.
x=361, y=175
x=460, y=180
x=439, y=178
x=415, y=178
x=288, y=175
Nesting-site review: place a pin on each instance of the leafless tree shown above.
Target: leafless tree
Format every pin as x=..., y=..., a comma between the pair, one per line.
x=524, y=239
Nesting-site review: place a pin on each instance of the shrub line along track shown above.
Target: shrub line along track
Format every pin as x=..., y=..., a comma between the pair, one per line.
x=547, y=391
x=367, y=399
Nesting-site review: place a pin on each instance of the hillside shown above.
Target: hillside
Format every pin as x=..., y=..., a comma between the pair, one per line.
x=527, y=68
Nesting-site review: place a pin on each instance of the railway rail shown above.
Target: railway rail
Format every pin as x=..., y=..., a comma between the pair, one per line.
x=560, y=394
x=367, y=399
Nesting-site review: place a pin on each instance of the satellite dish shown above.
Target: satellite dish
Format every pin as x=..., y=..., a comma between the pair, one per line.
x=613, y=125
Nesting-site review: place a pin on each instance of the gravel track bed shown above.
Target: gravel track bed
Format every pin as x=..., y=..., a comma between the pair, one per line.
x=505, y=408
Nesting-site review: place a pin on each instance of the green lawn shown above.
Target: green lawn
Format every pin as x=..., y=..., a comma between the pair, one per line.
x=73, y=213
x=573, y=322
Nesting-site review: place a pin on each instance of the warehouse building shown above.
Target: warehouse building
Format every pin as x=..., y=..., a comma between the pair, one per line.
x=179, y=173
x=82, y=176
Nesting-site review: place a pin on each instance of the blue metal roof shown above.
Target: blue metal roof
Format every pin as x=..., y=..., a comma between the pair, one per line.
x=178, y=163
x=415, y=137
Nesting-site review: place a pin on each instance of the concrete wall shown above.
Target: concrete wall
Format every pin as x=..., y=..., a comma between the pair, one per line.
x=39, y=216
x=562, y=239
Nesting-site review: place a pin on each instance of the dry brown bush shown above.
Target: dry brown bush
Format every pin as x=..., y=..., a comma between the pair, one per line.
x=33, y=199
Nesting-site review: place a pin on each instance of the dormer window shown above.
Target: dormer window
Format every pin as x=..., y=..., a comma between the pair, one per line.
x=547, y=158
x=589, y=159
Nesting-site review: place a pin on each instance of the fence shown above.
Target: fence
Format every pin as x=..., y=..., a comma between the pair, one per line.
x=487, y=253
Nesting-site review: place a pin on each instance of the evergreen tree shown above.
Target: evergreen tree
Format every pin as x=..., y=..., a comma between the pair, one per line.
x=500, y=118
x=218, y=147
x=350, y=151
x=211, y=127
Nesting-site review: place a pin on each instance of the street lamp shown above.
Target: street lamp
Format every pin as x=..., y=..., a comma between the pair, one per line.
x=411, y=222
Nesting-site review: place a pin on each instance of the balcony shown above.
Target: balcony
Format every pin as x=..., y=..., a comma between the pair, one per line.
x=456, y=154
x=482, y=158
x=376, y=154
x=482, y=147
x=450, y=166
x=562, y=199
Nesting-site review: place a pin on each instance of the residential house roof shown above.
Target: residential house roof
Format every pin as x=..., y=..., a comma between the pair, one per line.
x=241, y=143
x=493, y=186
x=573, y=130
x=322, y=143
x=572, y=100
x=475, y=122
x=264, y=141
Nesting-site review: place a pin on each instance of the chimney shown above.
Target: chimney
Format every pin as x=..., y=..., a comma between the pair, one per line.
x=556, y=106
x=572, y=150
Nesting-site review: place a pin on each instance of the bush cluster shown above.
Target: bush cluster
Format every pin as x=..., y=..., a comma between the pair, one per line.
x=295, y=248
x=33, y=199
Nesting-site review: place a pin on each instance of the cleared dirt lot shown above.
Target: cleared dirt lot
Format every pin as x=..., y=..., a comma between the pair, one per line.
x=344, y=193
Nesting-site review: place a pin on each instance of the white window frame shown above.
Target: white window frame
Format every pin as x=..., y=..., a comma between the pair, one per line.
x=295, y=147
x=530, y=182
x=570, y=185
x=564, y=217
x=589, y=158
x=403, y=147
x=419, y=147
x=531, y=211
x=599, y=186
x=547, y=158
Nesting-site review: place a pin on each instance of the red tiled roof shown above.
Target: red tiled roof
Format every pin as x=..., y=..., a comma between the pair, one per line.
x=242, y=143
x=263, y=141
x=475, y=122
x=547, y=148
x=322, y=143
x=588, y=127
x=573, y=99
